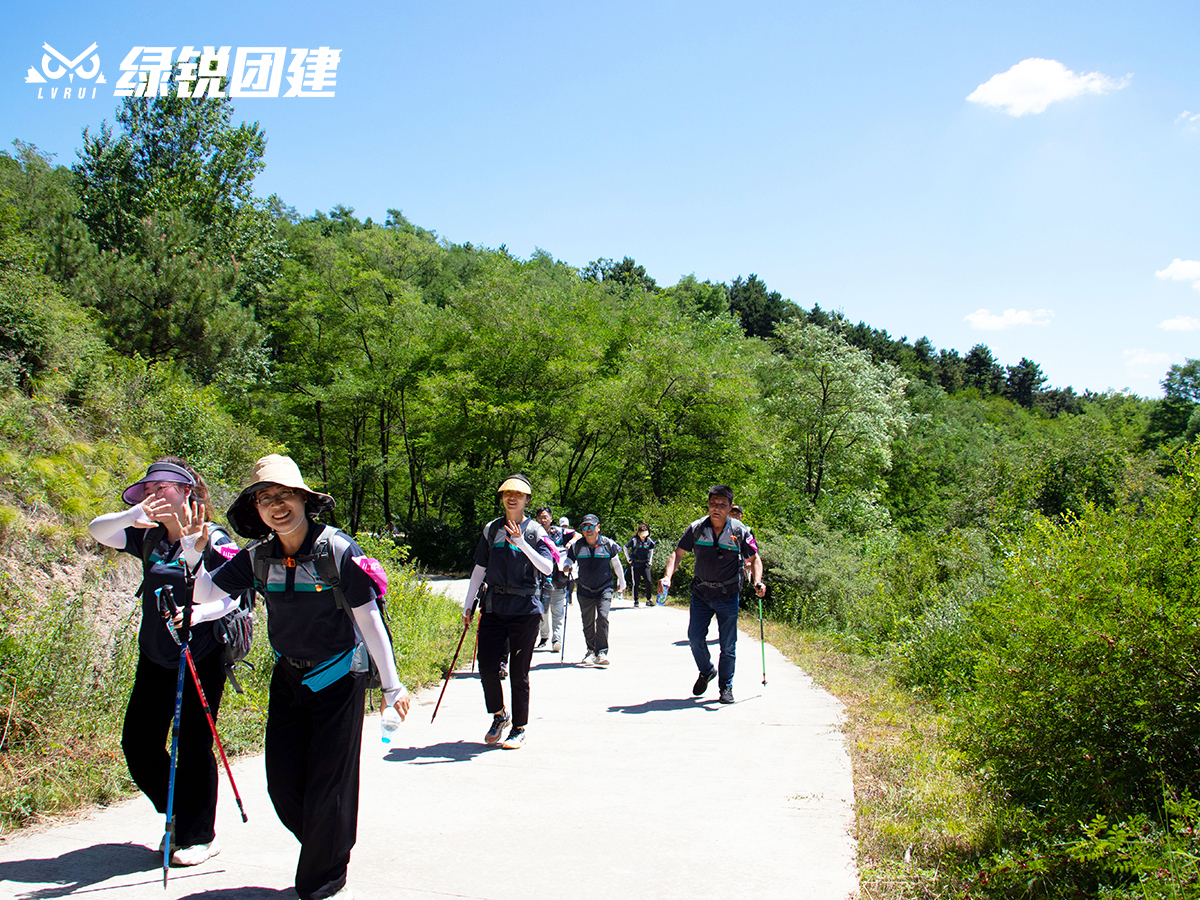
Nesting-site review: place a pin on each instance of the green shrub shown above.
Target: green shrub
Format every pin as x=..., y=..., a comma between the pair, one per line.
x=1087, y=696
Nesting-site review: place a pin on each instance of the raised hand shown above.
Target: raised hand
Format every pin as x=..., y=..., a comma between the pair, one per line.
x=514, y=531
x=194, y=521
x=154, y=512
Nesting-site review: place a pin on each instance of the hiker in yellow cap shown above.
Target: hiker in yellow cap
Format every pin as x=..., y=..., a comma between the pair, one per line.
x=512, y=551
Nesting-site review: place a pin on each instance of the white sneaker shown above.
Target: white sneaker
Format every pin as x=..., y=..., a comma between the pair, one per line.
x=557, y=647
x=195, y=854
x=589, y=658
x=602, y=658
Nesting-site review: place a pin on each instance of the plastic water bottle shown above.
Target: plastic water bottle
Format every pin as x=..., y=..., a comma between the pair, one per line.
x=391, y=723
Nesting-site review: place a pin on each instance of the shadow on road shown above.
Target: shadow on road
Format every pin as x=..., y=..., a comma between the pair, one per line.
x=456, y=751
x=668, y=705
x=244, y=893
x=79, y=869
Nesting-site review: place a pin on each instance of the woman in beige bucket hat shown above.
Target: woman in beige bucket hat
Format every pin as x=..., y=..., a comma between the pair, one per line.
x=315, y=710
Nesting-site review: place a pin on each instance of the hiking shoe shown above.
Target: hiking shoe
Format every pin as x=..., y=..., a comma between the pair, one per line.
x=503, y=670
x=602, y=658
x=556, y=646
x=542, y=643
x=515, y=739
x=701, y=684
x=589, y=658
x=195, y=854
x=727, y=694
x=499, y=720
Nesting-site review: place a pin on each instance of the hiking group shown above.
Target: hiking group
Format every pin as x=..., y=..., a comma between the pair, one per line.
x=331, y=642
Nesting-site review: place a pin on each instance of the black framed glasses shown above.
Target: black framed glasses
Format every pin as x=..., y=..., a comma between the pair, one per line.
x=283, y=495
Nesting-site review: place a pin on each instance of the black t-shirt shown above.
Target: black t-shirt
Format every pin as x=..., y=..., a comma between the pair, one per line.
x=304, y=621
x=595, y=564
x=165, y=569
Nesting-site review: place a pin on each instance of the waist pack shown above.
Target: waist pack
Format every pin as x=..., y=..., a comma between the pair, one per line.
x=326, y=565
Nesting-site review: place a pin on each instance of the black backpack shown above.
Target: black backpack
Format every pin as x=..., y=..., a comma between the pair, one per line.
x=326, y=564
x=234, y=630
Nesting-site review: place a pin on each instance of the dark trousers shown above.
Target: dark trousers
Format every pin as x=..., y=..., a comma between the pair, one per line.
x=593, y=610
x=700, y=614
x=518, y=634
x=148, y=719
x=313, y=743
x=641, y=573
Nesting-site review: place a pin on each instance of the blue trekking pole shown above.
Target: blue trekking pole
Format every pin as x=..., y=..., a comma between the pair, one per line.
x=169, y=836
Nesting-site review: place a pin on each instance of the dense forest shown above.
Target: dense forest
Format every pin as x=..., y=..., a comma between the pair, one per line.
x=1023, y=556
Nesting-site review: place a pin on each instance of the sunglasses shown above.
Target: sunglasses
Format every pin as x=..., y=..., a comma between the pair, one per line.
x=588, y=527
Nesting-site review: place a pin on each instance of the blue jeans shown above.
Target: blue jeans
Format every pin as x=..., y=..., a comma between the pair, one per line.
x=702, y=612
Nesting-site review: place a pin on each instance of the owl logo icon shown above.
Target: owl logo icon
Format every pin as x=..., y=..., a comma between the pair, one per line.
x=55, y=66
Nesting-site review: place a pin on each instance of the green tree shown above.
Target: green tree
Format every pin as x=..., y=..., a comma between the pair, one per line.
x=181, y=162
x=626, y=273
x=1182, y=382
x=700, y=297
x=981, y=371
x=758, y=309
x=839, y=412
x=165, y=300
x=1023, y=382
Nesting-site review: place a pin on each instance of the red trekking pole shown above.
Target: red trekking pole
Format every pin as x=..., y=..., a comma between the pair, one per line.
x=450, y=671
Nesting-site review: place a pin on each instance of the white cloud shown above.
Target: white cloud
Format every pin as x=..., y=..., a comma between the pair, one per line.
x=986, y=320
x=1182, y=270
x=1180, y=323
x=1146, y=363
x=1033, y=84
x=1188, y=120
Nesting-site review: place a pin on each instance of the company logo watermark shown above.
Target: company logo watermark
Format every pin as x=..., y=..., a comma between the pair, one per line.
x=52, y=71
x=195, y=73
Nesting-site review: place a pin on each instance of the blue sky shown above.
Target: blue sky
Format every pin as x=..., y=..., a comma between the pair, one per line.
x=829, y=148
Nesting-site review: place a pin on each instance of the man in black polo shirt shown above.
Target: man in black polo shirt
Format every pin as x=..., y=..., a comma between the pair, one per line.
x=720, y=543
x=596, y=561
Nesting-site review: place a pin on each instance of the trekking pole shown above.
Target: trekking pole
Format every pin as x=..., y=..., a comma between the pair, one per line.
x=566, y=610
x=475, y=649
x=212, y=725
x=450, y=671
x=762, y=641
x=169, y=831
x=216, y=737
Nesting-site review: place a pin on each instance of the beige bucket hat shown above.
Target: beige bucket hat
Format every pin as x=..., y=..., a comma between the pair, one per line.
x=272, y=470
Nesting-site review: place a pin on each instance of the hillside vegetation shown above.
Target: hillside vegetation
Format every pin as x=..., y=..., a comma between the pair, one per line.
x=998, y=576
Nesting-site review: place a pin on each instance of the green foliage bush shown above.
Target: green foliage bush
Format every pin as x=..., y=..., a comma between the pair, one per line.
x=1087, y=696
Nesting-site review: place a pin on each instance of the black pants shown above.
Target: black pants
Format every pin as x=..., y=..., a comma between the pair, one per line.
x=148, y=719
x=641, y=573
x=313, y=743
x=519, y=633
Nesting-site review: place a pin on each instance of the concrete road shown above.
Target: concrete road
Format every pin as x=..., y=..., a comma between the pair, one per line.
x=628, y=787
